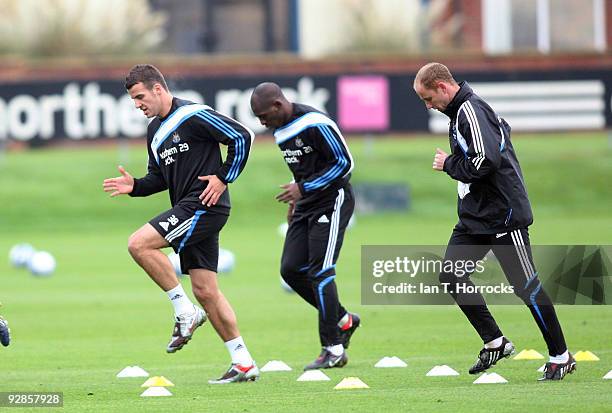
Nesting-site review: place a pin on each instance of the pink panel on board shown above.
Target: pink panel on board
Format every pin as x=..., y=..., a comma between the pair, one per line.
x=363, y=103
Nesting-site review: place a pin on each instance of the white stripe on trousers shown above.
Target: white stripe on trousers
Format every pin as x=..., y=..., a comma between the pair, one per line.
x=517, y=240
x=518, y=253
x=333, y=231
x=526, y=255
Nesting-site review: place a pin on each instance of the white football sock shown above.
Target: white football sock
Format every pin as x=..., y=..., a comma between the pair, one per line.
x=238, y=352
x=560, y=358
x=494, y=343
x=180, y=301
x=336, y=350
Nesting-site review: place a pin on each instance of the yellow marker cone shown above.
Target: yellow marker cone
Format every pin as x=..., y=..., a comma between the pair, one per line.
x=351, y=383
x=157, y=381
x=528, y=355
x=585, y=356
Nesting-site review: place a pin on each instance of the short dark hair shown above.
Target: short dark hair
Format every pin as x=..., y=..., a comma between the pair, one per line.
x=148, y=75
x=432, y=73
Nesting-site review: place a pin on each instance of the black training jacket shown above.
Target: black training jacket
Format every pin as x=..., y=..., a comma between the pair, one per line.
x=492, y=195
x=185, y=145
x=316, y=153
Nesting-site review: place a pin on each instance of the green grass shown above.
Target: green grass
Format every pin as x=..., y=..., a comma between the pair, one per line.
x=99, y=313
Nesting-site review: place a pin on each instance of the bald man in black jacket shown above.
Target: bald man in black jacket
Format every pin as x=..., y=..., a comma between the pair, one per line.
x=494, y=214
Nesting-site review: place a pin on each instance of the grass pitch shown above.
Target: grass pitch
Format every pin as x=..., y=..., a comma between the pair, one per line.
x=99, y=312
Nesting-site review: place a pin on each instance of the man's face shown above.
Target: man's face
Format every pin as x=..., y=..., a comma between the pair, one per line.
x=438, y=98
x=272, y=116
x=147, y=100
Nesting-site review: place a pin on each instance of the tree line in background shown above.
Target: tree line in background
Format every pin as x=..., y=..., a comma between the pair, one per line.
x=65, y=28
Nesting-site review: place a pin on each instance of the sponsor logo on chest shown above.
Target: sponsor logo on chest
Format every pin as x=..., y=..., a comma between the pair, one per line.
x=169, y=154
x=293, y=156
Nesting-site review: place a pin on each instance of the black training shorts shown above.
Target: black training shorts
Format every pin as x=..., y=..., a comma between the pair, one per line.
x=193, y=233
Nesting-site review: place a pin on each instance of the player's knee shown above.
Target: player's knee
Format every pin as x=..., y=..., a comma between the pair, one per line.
x=135, y=245
x=523, y=293
x=205, y=293
x=288, y=270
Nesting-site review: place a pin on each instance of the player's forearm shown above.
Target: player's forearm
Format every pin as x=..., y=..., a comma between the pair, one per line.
x=147, y=185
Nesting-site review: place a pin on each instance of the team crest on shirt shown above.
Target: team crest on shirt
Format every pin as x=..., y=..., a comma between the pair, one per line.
x=299, y=143
x=176, y=138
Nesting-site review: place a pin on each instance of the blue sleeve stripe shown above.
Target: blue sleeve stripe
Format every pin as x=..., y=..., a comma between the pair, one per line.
x=232, y=174
x=232, y=134
x=238, y=158
x=329, y=137
x=219, y=123
x=338, y=167
x=239, y=155
x=334, y=141
x=329, y=175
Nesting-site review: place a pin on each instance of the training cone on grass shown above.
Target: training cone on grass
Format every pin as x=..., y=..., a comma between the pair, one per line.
x=585, y=356
x=528, y=355
x=156, y=392
x=490, y=378
x=443, y=370
x=275, y=365
x=313, y=375
x=157, y=381
x=349, y=383
x=132, y=371
x=608, y=376
x=387, y=362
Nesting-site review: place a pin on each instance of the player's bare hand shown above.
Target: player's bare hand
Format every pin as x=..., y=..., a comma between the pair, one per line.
x=291, y=193
x=120, y=185
x=439, y=158
x=213, y=191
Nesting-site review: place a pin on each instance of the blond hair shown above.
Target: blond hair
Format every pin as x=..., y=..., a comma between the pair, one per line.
x=432, y=73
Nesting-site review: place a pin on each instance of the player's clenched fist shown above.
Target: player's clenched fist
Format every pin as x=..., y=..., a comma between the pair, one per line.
x=439, y=158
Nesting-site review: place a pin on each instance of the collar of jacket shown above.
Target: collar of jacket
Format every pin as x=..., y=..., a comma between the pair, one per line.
x=173, y=107
x=464, y=92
